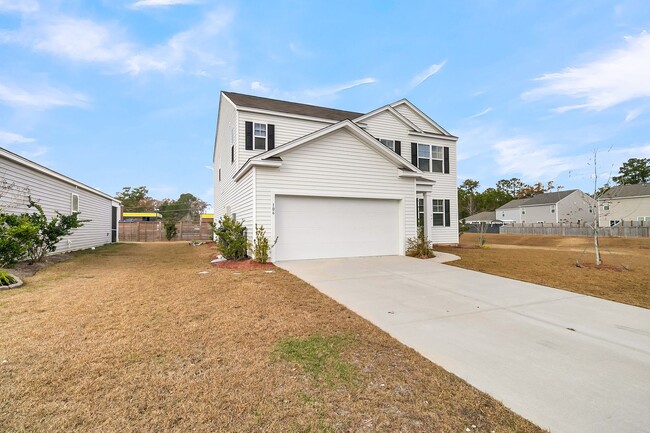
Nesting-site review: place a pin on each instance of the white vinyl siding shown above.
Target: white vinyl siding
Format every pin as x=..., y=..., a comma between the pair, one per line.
x=336, y=165
x=53, y=195
x=624, y=209
x=414, y=117
x=224, y=188
x=286, y=129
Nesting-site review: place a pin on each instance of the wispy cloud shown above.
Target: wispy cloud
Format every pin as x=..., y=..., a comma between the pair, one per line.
x=320, y=92
x=192, y=51
x=142, y=4
x=258, y=87
x=7, y=138
x=482, y=113
x=43, y=97
x=617, y=76
x=21, y=6
x=424, y=75
x=514, y=156
x=633, y=114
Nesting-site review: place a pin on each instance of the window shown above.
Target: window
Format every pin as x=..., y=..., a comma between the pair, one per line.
x=430, y=158
x=259, y=136
x=220, y=175
x=552, y=209
x=232, y=153
x=613, y=223
x=420, y=212
x=606, y=206
x=388, y=143
x=643, y=218
x=74, y=203
x=438, y=212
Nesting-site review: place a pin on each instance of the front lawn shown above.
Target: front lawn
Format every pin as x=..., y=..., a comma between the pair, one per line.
x=132, y=338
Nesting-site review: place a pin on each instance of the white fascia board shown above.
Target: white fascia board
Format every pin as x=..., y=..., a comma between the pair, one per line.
x=216, y=130
x=432, y=135
x=394, y=112
x=422, y=114
x=44, y=170
x=281, y=114
x=255, y=163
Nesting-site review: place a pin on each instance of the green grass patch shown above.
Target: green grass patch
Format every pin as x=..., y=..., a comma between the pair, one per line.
x=320, y=357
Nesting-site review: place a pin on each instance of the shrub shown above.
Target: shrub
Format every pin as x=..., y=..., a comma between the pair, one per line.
x=261, y=247
x=231, y=238
x=170, y=230
x=6, y=279
x=17, y=232
x=419, y=246
x=49, y=233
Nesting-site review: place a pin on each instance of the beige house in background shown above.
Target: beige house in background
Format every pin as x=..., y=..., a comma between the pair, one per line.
x=571, y=206
x=625, y=203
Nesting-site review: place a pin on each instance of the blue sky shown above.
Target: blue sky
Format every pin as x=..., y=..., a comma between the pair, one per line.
x=125, y=93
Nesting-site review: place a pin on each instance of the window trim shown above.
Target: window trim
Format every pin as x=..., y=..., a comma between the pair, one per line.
x=385, y=141
x=419, y=215
x=430, y=158
x=265, y=136
x=441, y=212
x=72, y=200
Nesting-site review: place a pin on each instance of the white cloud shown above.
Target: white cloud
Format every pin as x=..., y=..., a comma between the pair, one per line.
x=633, y=114
x=617, y=76
x=8, y=138
x=320, y=92
x=42, y=98
x=194, y=51
x=259, y=87
x=424, y=75
x=141, y=4
x=21, y=6
x=531, y=160
x=482, y=113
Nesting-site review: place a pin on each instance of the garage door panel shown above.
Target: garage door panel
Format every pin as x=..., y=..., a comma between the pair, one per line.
x=322, y=227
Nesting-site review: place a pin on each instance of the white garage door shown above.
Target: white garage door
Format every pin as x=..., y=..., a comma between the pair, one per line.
x=324, y=227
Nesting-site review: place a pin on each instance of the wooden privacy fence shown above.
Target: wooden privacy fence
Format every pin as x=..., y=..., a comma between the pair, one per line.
x=154, y=231
x=626, y=229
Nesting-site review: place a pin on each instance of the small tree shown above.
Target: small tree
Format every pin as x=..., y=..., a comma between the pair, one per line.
x=420, y=246
x=261, y=246
x=16, y=234
x=49, y=233
x=482, y=229
x=170, y=230
x=231, y=238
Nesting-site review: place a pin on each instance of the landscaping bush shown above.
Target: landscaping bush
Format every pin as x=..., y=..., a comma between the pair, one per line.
x=261, y=246
x=231, y=238
x=16, y=234
x=170, y=230
x=419, y=246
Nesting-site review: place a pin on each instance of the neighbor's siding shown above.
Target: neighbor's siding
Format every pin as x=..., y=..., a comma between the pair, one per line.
x=539, y=213
x=624, y=209
x=510, y=214
x=286, y=129
x=575, y=207
x=385, y=125
x=56, y=195
x=334, y=165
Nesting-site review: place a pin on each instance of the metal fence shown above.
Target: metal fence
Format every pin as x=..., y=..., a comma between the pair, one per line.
x=626, y=229
x=154, y=231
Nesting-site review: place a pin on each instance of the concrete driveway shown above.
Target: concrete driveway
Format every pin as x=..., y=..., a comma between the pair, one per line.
x=568, y=362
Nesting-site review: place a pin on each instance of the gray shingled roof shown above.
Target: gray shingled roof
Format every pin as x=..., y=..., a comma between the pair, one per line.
x=620, y=191
x=482, y=216
x=512, y=204
x=548, y=198
x=290, y=107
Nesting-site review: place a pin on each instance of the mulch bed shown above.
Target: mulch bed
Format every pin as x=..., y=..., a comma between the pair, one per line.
x=243, y=265
x=24, y=269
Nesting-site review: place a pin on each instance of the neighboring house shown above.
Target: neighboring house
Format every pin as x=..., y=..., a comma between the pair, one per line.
x=56, y=192
x=130, y=217
x=487, y=217
x=333, y=183
x=572, y=206
x=625, y=203
x=206, y=218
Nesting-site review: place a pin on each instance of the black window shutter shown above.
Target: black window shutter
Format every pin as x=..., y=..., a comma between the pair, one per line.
x=398, y=147
x=414, y=154
x=446, y=162
x=249, y=135
x=232, y=153
x=271, y=139
x=447, y=213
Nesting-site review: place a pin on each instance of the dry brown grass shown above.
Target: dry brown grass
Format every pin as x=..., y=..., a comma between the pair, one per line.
x=131, y=338
x=551, y=261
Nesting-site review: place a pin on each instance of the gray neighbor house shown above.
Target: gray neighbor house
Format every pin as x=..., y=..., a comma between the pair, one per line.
x=625, y=203
x=571, y=206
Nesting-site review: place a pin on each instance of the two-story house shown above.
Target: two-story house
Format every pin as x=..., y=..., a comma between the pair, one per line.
x=571, y=206
x=624, y=203
x=333, y=183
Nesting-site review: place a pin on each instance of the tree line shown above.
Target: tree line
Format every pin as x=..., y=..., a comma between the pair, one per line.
x=471, y=201
x=187, y=207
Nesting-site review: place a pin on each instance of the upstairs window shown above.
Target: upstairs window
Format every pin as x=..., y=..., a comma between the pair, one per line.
x=430, y=158
x=259, y=136
x=388, y=143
